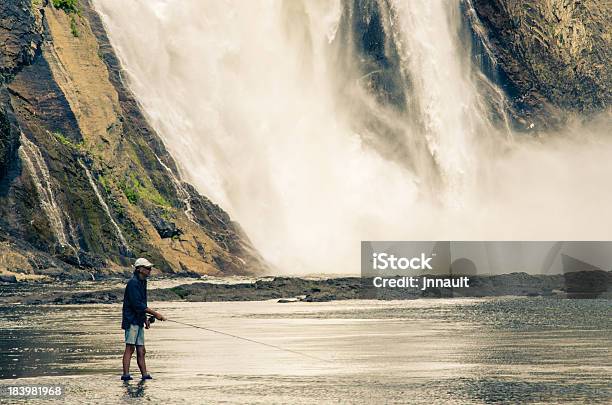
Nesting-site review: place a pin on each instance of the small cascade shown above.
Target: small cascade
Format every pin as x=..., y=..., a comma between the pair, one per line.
x=488, y=67
x=124, y=243
x=32, y=157
x=485, y=56
x=180, y=190
x=73, y=233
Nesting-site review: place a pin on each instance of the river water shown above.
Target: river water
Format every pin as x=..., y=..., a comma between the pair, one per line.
x=490, y=350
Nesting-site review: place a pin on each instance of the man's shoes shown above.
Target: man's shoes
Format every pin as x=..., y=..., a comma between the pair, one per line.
x=147, y=377
x=126, y=377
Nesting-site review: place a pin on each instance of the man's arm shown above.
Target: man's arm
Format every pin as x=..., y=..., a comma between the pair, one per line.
x=138, y=303
x=156, y=314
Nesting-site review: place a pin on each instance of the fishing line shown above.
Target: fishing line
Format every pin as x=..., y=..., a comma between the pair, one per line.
x=251, y=340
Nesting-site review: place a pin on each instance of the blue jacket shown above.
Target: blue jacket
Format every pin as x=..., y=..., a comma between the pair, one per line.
x=134, y=302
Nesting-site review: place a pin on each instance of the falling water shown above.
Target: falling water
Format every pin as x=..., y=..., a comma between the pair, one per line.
x=182, y=193
x=247, y=95
x=487, y=69
x=452, y=118
x=92, y=183
x=39, y=172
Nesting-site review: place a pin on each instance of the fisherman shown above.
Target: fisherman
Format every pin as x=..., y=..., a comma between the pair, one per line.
x=134, y=320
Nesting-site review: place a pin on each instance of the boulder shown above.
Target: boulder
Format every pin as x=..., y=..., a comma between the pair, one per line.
x=8, y=278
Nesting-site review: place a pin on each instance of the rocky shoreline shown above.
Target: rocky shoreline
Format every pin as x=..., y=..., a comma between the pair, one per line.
x=593, y=284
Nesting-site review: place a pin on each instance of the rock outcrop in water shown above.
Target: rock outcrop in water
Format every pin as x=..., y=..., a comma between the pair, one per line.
x=85, y=183
x=291, y=289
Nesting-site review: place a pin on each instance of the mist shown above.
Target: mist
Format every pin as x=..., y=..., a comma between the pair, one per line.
x=245, y=96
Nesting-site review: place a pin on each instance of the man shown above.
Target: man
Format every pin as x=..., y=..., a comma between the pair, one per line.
x=135, y=320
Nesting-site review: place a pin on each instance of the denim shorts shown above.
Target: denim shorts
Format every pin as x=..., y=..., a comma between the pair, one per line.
x=135, y=335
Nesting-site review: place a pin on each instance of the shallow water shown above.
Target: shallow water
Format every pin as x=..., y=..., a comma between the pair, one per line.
x=491, y=350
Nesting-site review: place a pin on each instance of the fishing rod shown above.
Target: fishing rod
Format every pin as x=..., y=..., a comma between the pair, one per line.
x=152, y=319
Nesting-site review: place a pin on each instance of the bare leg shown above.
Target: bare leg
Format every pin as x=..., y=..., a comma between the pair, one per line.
x=127, y=357
x=140, y=358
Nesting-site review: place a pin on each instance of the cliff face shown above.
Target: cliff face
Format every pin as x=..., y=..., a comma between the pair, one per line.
x=554, y=56
x=85, y=184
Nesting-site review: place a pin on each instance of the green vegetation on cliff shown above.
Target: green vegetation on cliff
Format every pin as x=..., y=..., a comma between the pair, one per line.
x=67, y=142
x=69, y=6
x=74, y=29
x=136, y=190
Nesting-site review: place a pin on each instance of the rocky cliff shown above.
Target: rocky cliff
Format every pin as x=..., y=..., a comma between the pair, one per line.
x=85, y=183
x=551, y=57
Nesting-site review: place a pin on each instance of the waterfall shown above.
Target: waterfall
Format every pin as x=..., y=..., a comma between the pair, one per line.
x=452, y=118
x=39, y=172
x=94, y=187
x=312, y=153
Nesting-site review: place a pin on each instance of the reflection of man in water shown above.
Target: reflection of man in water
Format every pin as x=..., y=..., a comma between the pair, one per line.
x=137, y=391
x=134, y=320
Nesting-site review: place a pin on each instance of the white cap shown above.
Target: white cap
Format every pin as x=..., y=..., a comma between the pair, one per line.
x=142, y=262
